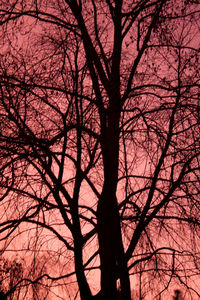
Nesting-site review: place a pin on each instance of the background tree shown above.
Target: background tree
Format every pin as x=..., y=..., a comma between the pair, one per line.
x=177, y=295
x=20, y=280
x=99, y=138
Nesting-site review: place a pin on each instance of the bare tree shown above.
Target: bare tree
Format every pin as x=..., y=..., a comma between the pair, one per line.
x=177, y=295
x=19, y=280
x=99, y=138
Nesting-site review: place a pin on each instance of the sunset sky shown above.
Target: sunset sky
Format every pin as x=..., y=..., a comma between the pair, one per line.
x=99, y=149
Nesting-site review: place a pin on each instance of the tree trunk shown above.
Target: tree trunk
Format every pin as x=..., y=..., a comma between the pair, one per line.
x=107, y=244
x=84, y=288
x=113, y=264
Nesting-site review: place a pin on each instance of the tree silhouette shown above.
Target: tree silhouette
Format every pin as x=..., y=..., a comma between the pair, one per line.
x=19, y=280
x=177, y=295
x=3, y=296
x=99, y=138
